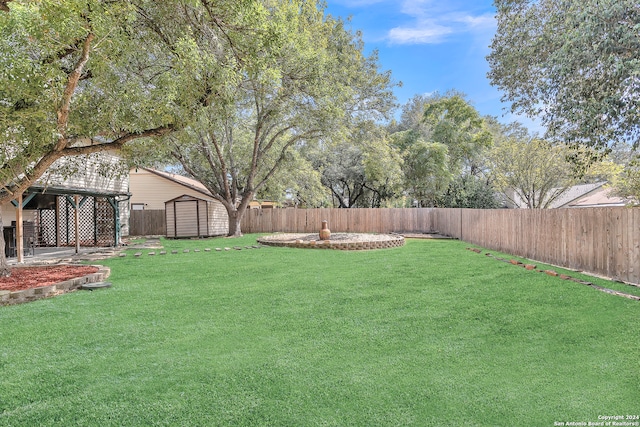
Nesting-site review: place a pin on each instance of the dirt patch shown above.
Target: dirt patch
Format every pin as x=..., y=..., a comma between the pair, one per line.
x=32, y=277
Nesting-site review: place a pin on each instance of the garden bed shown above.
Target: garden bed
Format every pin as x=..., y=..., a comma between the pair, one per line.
x=35, y=282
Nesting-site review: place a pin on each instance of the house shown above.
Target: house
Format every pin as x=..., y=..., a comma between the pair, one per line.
x=190, y=209
x=80, y=201
x=582, y=195
x=263, y=204
x=598, y=198
x=574, y=193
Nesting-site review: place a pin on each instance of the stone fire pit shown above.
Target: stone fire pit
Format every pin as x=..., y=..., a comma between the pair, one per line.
x=340, y=241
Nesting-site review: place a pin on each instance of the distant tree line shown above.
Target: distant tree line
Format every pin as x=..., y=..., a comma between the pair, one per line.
x=443, y=153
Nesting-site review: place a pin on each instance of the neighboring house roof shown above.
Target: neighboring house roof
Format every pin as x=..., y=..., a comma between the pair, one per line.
x=575, y=196
x=599, y=198
x=573, y=193
x=182, y=180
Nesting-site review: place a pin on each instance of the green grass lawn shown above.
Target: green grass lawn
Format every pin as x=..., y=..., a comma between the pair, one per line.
x=426, y=334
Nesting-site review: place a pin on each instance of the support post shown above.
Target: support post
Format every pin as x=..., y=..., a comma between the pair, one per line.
x=57, y=221
x=77, y=221
x=19, y=231
x=116, y=218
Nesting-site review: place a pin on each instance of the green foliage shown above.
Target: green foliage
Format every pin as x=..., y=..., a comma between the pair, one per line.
x=529, y=171
x=626, y=182
x=412, y=116
x=383, y=168
x=427, y=334
x=469, y=191
x=458, y=125
x=621, y=169
x=443, y=140
x=426, y=171
x=343, y=172
x=278, y=76
x=575, y=63
x=75, y=78
x=297, y=182
x=363, y=170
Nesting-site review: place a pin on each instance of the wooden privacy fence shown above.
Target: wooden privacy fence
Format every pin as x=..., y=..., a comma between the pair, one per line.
x=147, y=223
x=604, y=241
x=340, y=220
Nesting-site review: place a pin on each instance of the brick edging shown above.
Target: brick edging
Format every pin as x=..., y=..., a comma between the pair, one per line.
x=392, y=242
x=32, y=294
x=554, y=273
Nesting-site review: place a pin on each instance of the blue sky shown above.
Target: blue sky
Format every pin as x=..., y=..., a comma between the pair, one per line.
x=432, y=45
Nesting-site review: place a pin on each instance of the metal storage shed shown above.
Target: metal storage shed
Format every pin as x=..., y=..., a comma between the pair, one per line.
x=187, y=216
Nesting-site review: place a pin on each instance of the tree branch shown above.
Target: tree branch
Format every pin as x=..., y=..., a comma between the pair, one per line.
x=283, y=152
x=223, y=167
x=205, y=149
x=41, y=166
x=72, y=83
x=3, y=5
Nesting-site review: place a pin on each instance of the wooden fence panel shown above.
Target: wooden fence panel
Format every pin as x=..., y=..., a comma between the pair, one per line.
x=147, y=223
x=603, y=241
x=634, y=250
x=362, y=220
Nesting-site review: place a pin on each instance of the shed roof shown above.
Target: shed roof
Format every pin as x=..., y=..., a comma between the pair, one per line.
x=185, y=197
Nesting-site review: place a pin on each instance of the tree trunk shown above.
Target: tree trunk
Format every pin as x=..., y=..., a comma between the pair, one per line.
x=234, y=223
x=236, y=213
x=235, y=218
x=5, y=271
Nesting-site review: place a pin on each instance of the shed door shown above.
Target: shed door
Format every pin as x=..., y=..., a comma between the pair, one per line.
x=170, y=219
x=186, y=218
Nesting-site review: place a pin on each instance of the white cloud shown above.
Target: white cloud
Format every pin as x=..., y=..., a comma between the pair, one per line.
x=434, y=21
x=428, y=34
x=479, y=22
x=415, y=8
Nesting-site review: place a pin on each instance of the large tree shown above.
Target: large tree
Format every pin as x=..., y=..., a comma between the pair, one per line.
x=442, y=138
x=296, y=183
x=426, y=171
x=361, y=169
x=529, y=171
x=455, y=123
x=299, y=76
x=574, y=63
x=621, y=169
x=76, y=77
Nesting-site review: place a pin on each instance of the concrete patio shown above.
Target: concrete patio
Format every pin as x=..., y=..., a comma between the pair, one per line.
x=54, y=255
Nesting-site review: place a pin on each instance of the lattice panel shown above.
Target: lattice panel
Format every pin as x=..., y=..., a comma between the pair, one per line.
x=96, y=223
x=46, y=226
x=68, y=226
x=104, y=222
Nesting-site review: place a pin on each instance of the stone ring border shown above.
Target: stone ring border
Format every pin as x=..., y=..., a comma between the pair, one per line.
x=32, y=294
x=378, y=241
